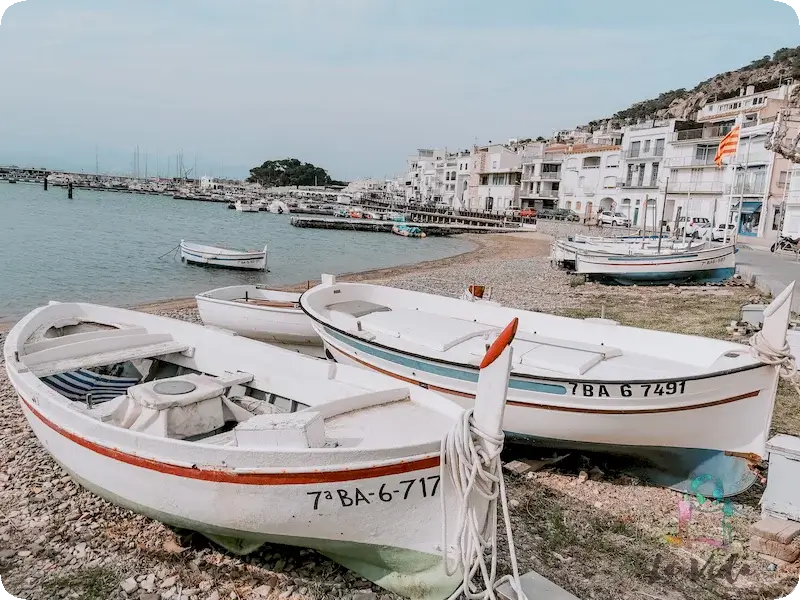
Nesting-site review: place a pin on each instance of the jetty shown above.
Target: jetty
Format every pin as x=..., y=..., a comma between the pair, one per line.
x=375, y=225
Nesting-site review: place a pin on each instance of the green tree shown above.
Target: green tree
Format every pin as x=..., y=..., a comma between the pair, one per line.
x=288, y=172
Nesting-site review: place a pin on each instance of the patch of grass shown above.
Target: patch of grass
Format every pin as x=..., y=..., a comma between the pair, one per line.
x=93, y=583
x=576, y=281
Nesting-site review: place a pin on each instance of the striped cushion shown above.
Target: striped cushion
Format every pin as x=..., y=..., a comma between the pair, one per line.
x=76, y=385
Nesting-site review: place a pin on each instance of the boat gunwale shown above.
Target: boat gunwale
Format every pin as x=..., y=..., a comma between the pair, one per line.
x=227, y=252
x=245, y=305
x=516, y=374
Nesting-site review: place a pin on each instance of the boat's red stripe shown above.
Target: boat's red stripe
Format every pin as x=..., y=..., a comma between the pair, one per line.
x=571, y=409
x=240, y=478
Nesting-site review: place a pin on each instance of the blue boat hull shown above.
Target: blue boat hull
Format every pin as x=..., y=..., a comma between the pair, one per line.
x=656, y=278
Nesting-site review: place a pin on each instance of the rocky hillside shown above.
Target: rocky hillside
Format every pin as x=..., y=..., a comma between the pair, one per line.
x=765, y=73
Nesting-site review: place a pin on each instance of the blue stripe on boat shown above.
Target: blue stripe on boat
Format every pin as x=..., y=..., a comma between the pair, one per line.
x=214, y=257
x=442, y=370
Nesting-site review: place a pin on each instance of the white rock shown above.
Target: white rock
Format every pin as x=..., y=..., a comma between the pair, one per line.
x=129, y=585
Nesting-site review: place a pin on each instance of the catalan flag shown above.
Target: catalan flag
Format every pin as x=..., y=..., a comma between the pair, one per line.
x=728, y=145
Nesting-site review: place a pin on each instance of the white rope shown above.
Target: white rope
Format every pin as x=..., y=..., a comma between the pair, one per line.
x=782, y=358
x=477, y=479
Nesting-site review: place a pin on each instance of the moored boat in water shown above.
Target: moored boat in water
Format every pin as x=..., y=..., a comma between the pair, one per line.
x=573, y=380
x=304, y=452
x=408, y=231
x=215, y=256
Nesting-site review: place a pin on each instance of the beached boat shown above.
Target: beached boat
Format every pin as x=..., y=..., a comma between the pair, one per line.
x=695, y=266
x=577, y=381
x=214, y=256
x=408, y=231
x=249, y=444
x=258, y=313
x=242, y=206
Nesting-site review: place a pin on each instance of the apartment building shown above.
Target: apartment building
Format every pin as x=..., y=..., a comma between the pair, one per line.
x=791, y=217
x=494, y=179
x=590, y=179
x=541, y=176
x=644, y=150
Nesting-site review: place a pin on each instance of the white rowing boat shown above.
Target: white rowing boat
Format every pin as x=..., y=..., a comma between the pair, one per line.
x=214, y=256
x=572, y=380
x=258, y=313
x=243, y=206
x=696, y=266
x=250, y=444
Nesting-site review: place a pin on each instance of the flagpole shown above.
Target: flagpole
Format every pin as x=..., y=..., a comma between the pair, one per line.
x=730, y=195
x=744, y=176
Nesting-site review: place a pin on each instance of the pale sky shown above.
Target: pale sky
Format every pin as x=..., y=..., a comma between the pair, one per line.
x=353, y=86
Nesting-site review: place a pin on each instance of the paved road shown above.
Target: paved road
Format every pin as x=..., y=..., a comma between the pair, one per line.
x=772, y=272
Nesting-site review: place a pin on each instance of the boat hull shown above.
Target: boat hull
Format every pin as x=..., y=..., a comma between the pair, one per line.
x=268, y=324
x=256, y=261
x=703, y=266
x=728, y=412
x=342, y=514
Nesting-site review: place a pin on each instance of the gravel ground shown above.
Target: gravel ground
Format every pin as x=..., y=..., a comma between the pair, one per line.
x=598, y=536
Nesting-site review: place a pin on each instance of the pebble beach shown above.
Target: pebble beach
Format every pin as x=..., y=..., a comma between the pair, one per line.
x=60, y=541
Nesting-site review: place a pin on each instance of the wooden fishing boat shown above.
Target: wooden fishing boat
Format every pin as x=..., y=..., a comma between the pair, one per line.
x=214, y=256
x=248, y=444
x=696, y=266
x=259, y=313
x=573, y=380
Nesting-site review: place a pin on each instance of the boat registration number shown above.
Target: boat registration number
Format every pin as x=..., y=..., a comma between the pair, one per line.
x=627, y=390
x=426, y=487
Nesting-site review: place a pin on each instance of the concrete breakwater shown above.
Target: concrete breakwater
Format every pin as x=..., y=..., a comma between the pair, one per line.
x=374, y=225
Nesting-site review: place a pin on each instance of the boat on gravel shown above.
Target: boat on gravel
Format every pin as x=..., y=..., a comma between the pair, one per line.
x=259, y=313
x=249, y=444
x=408, y=231
x=574, y=382
x=712, y=265
x=214, y=256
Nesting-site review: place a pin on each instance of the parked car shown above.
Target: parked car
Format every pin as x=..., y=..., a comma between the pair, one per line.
x=527, y=213
x=615, y=219
x=566, y=214
x=718, y=233
x=694, y=226
x=546, y=213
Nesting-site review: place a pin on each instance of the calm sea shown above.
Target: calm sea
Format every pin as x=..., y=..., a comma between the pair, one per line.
x=104, y=247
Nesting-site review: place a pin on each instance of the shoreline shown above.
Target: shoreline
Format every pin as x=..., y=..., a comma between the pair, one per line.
x=483, y=245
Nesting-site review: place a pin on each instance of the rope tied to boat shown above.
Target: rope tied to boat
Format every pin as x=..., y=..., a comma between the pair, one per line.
x=477, y=478
x=781, y=358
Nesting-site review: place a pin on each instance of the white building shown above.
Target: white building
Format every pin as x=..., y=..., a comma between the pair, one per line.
x=590, y=180
x=494, y=178
x=541, y=176
x=644, y=150
x=791, y=218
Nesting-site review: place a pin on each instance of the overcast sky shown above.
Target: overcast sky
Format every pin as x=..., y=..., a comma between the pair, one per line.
x=353, y=86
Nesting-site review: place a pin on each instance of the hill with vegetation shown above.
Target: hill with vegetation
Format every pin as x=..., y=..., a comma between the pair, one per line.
x=765, y=73
x=290, y=172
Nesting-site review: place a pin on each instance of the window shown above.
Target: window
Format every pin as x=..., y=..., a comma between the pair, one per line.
x=696, y=175
x=484, y=180
x=659, y=147
x=635, y=147
x=654, y=176
x=776, y=219
x=568, y=204
x=646, y=148
x=578, y=205
x=612, y=161
x=705, y=154
x=629, y=176
x=782, y=179
x=609, y=182
x=499, y=179
x=641, y=175
x=494, y=164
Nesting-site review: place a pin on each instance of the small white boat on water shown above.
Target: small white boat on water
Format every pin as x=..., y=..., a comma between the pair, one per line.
x=258, y=313
x=249, y=444
x=243, y=206
x=689, y=266
x=214, y=256
x=573, y=380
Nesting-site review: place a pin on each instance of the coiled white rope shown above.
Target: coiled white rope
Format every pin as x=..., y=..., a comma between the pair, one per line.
x=781, y=358
x=477, y=478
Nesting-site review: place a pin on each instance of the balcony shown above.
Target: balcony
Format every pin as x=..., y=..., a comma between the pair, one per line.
x=653, y=153
x=645, y=185
x=755, y=156
x=551, y=176
x=696, y=187
x=749, y=188
x=650, y=124
x=706, y=133
x=690, y=161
